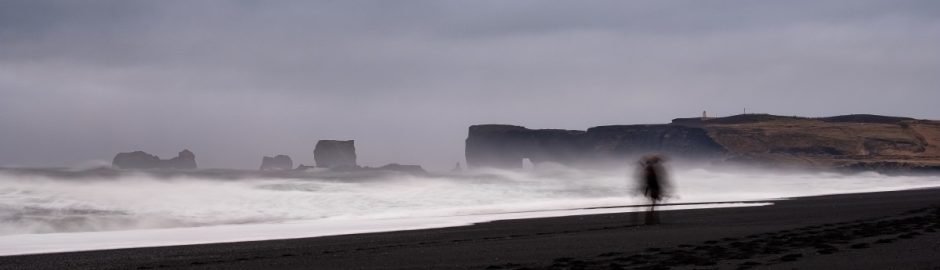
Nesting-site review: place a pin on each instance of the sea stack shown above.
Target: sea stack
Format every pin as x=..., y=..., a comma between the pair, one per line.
x=277, y=163
x=185, y=160
x=335, y=154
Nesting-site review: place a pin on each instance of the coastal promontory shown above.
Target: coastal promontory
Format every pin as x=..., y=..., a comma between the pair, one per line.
x=854, y=142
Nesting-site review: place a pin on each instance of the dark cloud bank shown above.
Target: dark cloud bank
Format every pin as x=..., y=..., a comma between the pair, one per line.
x=235, y=80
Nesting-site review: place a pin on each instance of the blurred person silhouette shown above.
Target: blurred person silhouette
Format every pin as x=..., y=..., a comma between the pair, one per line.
x=653, y=183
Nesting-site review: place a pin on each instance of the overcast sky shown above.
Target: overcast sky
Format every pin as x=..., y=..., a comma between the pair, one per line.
x=236, y=80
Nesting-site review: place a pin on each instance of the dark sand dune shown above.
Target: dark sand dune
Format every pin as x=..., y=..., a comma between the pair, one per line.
x=858, y=231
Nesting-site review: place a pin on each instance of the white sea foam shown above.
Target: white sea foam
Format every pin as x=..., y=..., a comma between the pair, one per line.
x=44, y=214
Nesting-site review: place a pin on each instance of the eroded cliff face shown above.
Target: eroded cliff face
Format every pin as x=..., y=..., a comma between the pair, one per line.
x=863, y=142
x=505, y=146
x=856, y=142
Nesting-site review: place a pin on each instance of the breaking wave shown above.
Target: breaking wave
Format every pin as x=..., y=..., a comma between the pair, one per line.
x=34, y=204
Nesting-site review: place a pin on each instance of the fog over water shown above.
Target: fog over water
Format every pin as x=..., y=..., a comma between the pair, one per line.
x=36, y=204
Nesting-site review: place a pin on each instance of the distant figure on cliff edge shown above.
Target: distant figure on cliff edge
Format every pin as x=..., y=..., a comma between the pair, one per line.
x=654, y=185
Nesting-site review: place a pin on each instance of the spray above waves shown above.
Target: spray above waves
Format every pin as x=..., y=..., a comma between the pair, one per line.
x=45, y=204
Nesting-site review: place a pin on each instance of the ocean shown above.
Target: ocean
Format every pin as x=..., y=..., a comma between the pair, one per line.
x=43, y=213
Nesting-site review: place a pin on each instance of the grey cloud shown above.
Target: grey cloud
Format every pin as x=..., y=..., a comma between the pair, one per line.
x=234, y=80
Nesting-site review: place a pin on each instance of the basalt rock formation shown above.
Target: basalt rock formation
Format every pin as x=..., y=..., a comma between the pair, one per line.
x=142, y=160
x=335, y=154
x=277, y=163
x=856, y=142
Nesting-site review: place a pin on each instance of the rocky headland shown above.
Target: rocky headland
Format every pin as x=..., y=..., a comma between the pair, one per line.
x=850, y=142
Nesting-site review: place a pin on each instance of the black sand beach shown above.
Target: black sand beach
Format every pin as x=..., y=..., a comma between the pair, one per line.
x=884, y=230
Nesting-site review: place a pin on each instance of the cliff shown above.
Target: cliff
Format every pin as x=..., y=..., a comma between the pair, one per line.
x=873, y=142
x=868, y=142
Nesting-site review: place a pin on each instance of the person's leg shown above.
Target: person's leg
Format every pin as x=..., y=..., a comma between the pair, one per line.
x=651, y=213
x=655, y=214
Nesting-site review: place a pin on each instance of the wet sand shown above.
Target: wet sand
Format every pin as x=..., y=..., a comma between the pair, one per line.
x=857, y=231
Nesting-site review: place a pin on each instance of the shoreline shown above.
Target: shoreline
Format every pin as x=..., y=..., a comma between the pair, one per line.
x=554, y=241
x=50, y=243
